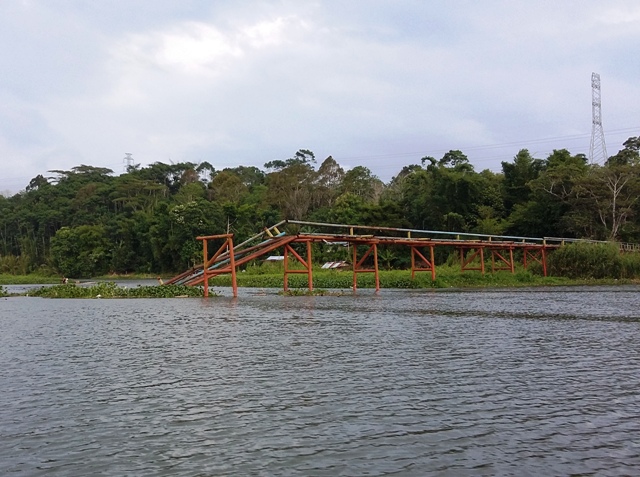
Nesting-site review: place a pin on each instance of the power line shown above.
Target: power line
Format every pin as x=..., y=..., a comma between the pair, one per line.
x=522, y=144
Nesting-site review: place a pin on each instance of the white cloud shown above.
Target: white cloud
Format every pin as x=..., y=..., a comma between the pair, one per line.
x=621, y=15
x=192, y=48
x=246, y=83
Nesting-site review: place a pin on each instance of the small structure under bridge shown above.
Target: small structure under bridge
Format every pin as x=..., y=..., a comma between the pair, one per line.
x=364, y=242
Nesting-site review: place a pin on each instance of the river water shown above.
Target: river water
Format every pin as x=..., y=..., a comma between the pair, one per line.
x=501, y=382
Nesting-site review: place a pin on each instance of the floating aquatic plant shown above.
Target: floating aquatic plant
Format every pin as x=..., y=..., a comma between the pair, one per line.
x=111, y=290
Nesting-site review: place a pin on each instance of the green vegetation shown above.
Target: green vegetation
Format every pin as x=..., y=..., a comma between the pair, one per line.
x=2, y=292
x=111, y=290
x=593, y=261
x=7, y=279
x=446, y=277
x=88, y=222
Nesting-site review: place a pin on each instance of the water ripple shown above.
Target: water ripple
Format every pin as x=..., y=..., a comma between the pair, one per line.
x=527, y=382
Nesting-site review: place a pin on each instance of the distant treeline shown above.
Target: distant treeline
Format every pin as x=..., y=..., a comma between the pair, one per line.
x=88, y=221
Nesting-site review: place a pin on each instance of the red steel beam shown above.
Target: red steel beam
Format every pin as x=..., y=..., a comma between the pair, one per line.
x=509, y=263
x=431, y=264
x=465, y=262
x=307, y=264
x=373, y=247
x=532, y=252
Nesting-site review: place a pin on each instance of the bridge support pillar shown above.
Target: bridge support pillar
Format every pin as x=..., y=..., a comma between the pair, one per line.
x=430, y=263
x=507, y=263
x=465, y=263
x=536, y=254
x=226, y=247
x=307, y=264
x=357, y=264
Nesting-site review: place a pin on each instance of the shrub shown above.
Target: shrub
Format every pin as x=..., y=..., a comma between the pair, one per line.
x=587, y=260
x=14, y=265
x=630, y=265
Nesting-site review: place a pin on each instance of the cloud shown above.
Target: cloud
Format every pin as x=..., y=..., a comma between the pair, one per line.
x=367, y=81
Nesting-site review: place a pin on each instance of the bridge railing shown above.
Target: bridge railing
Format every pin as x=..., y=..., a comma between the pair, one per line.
x=623, y=246
x=456, y=236
x=349, y=230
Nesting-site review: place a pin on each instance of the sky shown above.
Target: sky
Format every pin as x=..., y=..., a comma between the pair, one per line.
x=370, y=82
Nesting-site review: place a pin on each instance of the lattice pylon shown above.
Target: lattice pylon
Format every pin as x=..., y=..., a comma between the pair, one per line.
x=598, y=149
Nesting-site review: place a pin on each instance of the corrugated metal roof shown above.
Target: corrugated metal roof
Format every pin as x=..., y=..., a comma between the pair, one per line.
x=340, y=264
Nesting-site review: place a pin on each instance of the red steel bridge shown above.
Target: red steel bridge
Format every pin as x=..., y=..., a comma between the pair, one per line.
x=365, y=242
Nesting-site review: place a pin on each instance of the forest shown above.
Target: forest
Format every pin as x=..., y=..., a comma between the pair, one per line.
x=88, y=221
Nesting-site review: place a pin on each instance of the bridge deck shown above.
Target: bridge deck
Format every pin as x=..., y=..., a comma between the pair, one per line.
x=472, y=248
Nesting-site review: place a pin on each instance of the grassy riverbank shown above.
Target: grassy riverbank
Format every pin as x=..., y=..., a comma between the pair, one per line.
x=31, y=279
x=37, y=279
x=446, y=277
x=575, y=264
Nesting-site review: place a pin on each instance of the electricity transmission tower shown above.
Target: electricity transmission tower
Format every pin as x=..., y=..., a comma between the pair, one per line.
x=598, y=149
x=128, y=161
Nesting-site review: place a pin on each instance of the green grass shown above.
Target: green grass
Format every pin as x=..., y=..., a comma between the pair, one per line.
x=36, y=279
x=446, y=277
x=31, y=279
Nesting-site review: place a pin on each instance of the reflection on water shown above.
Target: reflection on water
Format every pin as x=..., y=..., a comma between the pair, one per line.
x=526, y=382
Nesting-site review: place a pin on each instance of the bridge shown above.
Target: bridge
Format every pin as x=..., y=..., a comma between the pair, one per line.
x=365, y=242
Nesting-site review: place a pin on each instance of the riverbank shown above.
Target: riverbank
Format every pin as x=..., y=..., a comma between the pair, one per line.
x=31, y=279
x=35, y=279
x=447, y=277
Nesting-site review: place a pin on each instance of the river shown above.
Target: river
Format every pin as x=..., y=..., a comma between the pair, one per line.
x=499, y=382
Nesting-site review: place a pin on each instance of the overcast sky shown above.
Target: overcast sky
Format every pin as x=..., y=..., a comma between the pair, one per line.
x=374, y=83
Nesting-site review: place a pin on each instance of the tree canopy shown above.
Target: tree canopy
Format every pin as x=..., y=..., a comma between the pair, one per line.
x=87, y=220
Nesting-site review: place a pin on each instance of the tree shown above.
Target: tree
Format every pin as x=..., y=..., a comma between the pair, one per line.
x=455, y=159
x=560, y=195
x=174, y=229
x=227, y=186
x=328, y=179
x=361, y=182
x=301, y=157
x=290, y=186
x=629, y=154
x=82, y=251
x=37, y=182
x=250, y=176
x=611, y=192
x=517, y=178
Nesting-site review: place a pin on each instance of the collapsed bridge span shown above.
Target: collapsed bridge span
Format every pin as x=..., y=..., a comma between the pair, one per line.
x=474, y=250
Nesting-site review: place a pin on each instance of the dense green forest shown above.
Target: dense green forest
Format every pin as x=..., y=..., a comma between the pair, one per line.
x=88, y=221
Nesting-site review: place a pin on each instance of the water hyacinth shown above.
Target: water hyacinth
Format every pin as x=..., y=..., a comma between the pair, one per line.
x=111, y=290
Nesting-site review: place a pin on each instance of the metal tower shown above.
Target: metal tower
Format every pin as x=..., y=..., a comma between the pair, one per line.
x=598, y=149
x=128, y=161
